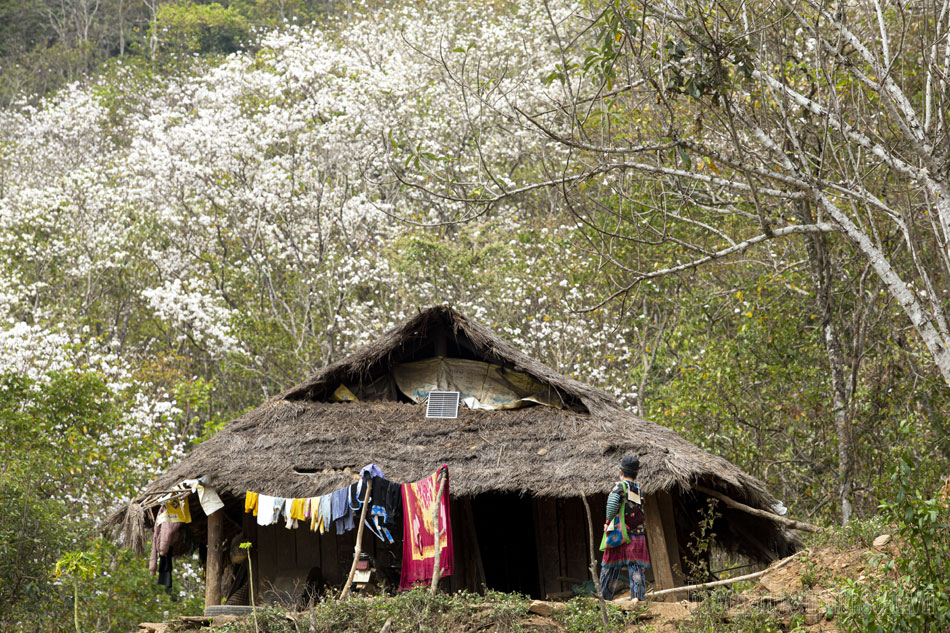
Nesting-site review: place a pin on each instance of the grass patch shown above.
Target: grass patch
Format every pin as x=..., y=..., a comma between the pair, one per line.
x=714, y=616
x=415, y=611
x=582, y=615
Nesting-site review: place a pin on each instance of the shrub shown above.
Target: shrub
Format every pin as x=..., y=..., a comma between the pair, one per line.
x=911, y=590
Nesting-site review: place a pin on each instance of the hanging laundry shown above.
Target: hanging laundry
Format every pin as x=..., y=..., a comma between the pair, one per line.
x=418, y=548
x=371, y=470
x=368, y=472
x=250, y=502
x=297, y=509
x=177, y=510
x=163, y=538
x=341, y=514
x=379, y=516
x=289, y=522
x=387, y=495
x=317, y=515
x=165, y=571
x=268, y=509
x=356, y=496
x=326, y=512
x=208, y=498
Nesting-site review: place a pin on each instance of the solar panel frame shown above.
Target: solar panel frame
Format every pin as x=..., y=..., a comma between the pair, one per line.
x=442, y=404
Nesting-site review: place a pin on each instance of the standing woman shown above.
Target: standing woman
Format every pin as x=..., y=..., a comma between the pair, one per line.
x=625, y=542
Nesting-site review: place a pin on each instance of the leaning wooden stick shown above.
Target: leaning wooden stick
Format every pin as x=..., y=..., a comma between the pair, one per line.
x=359, y=540
x=727, y=581
x=593, y=565
x=732, y=503
x=437, y=560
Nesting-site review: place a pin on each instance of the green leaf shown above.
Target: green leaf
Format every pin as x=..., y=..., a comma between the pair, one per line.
x=685, y=158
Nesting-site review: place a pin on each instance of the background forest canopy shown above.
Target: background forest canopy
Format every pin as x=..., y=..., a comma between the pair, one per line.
x=732, y=217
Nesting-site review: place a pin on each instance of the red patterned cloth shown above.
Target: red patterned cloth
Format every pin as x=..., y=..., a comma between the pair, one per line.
x=633, y=552
x=418, y=545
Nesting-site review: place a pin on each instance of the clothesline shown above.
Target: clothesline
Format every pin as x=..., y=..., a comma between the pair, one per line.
x=418, y=502
x=334, y=510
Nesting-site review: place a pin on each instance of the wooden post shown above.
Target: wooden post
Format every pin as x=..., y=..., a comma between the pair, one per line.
x=436, y=513
x=661, y=539
x=215, y=559
x=593, y=565
x=359, y=539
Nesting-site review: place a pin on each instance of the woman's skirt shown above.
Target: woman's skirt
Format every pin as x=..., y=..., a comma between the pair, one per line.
x=633, y=552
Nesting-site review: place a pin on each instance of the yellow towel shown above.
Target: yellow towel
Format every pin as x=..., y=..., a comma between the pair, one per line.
x=296, y=509
x=250, y=502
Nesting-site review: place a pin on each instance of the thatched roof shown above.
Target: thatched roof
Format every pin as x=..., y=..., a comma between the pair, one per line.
x=299, y=444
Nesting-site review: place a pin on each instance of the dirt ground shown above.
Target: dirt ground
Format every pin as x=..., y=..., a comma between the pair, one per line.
x=797, y=591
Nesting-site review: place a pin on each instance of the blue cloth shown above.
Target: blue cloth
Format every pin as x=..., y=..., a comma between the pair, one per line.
x=609, y=576
x=368, y=472
x=326, y=512
x=371, y=470
x=341, y=513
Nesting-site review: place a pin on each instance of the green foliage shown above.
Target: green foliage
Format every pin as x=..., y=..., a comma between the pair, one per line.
x=31, y=535
x=414, y=610
x=910, y=591
x=700, y=545
x=583, y=615
x=200, y=28
x=711, y=617
x=858, y=533
x=53, y=438
x=811, y=574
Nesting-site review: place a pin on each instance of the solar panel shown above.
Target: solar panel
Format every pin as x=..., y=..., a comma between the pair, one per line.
x=442, y=404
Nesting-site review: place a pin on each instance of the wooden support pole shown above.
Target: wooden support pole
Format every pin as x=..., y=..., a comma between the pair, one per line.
x=771, y=516
x=215, y=559
x=593, y=565
x=436, y=513
x=359, y=539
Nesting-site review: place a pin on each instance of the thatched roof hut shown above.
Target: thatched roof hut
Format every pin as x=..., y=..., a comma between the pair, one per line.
x=301, y=443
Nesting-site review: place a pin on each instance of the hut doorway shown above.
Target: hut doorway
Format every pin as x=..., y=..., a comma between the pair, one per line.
x=504, y=526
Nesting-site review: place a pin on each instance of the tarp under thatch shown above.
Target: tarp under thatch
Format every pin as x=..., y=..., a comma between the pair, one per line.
x=300, y=444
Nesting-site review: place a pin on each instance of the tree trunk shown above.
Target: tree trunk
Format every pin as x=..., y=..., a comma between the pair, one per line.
x=820, y=264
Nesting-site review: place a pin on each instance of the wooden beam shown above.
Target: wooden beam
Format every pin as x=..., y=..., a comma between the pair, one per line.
x=215, y=559
x=661, y=559
x=771, y=516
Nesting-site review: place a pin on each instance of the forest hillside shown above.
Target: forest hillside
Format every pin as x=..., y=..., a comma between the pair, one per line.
x=732, y=217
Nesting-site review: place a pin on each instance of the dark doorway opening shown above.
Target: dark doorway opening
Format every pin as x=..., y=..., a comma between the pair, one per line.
x=504, y=525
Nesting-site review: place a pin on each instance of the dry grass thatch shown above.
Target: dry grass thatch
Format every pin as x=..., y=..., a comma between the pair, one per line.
x=297, y=444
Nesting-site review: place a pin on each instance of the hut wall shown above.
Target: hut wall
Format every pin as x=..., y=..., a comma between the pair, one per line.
x=563, y=539
x=289, y=560
x=505, y=541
